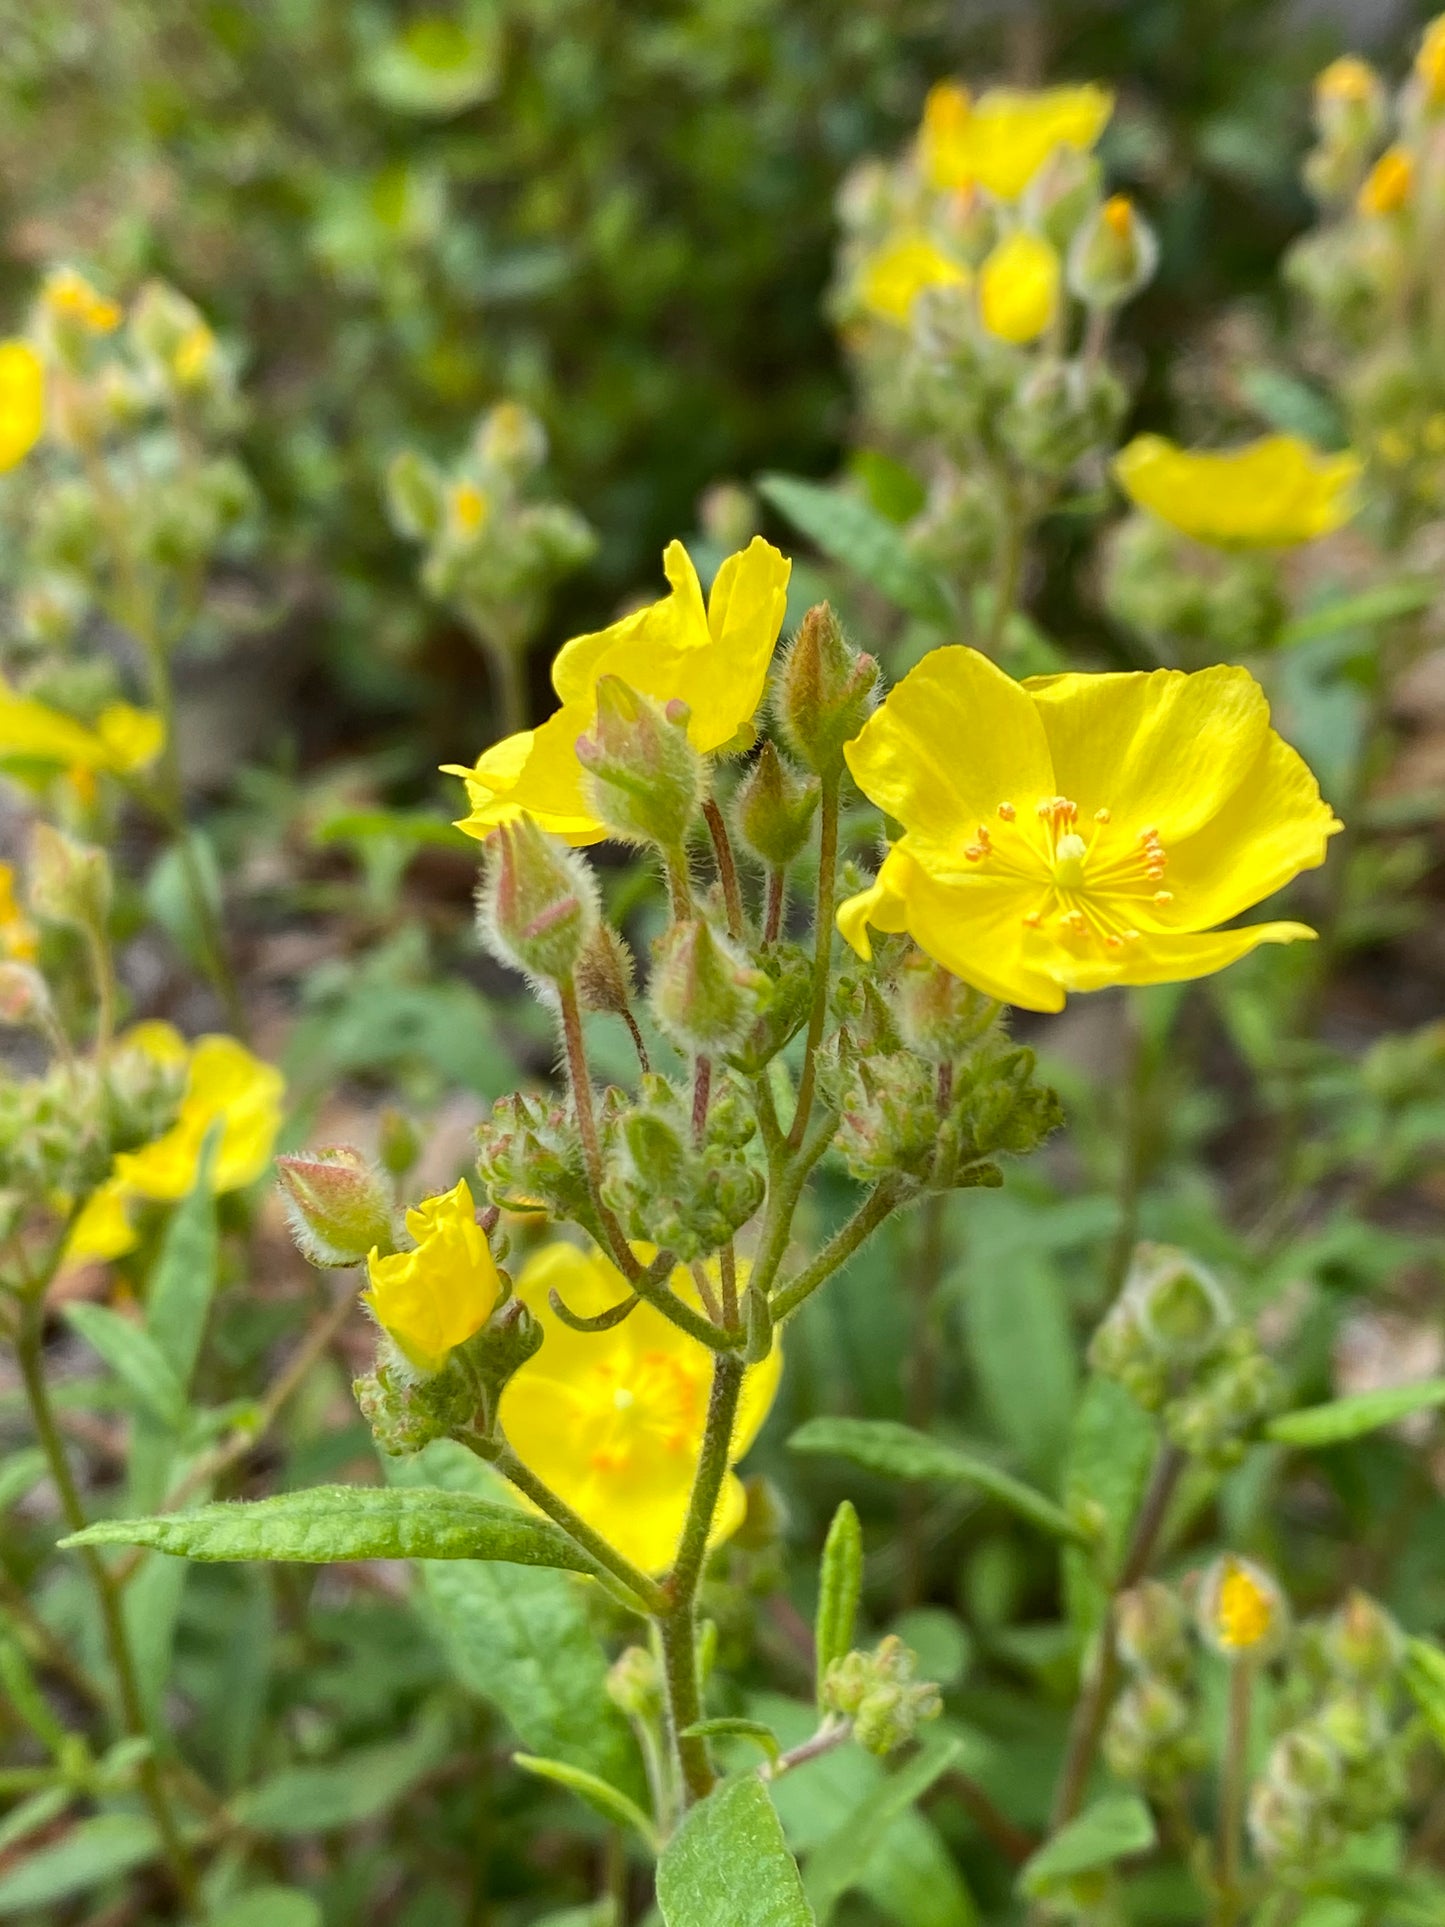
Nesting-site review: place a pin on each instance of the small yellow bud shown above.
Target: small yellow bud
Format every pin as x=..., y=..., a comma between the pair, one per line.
x=1388, y=185
x=1347, y=79
x=68, y=296
x=195, y=356
x=1242, y=1612
x=468, y=507
x=1018, y=288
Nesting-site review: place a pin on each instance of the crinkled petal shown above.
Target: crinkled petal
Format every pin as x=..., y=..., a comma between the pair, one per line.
x=676, y=621
x=974, y=926
x=1177, y=959
x=534, y=773
x=1271, y=493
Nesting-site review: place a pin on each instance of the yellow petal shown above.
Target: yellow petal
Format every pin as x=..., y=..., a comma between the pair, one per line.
x=22, y=401
x=892, y=279
x=1178, y=959
x=434, y=1298
x=974, y=926
x=535, y=773
x=953, y=740
x=1002, y=140
x=103, y=1230
x=224, y=1083
x=1018, y=287
x=1272, y=493
x=130, y=737
x=676, y=622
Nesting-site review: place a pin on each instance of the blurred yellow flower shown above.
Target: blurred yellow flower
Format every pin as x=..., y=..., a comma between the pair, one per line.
x=434, y=1298
x=1430, y=61
x=1348, y=79
x=18, y=937
x=1018, y=287
x=613, y=1421
x=1000, y=141
x=1076, y=831
x=467, y=507
x=69, y=297
x=22, y=401
x=1270, y=494
x=194, y=356
x=1388, y=185
x=1242, y=1611
x=713, y=658
x=894, y=277
x=123, y=740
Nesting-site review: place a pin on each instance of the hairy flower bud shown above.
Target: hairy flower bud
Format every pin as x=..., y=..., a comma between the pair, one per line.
x=704, y=992
x=336, y=1205
x=773, y=809
x=634, y=1684
x=939, y=1015
x=1181, y=1308
x=400, y=1142
x=878, y=1692
x=1362, y=1641
x=537, y=908
x=641, y=775
x=415, y=495
x=1151, y=1625
x=406, y=1414
x=1113, y=254
x=605, y=973
x=1241, y=1611
x=826, y=692
x=24, y=996
x=509, y=437
x=70, y=882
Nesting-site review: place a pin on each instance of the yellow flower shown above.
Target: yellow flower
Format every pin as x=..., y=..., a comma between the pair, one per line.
x=1270, y=494
x=1430, y=61
x=715, y=659
x=124, y=739
x=1002, y=140
x=103, y=1230
x=613, y=1421
x=1388, y=185
x=1076, y=831
x=22, y=401
x=70, y=297
x=1242, y=1611
x=18, y=937
x=1018, y=287
x=194, y=356
x=434, y=1298
x=1348, y=79
x=225, y=1084
x=894, y=277
x=468, y=507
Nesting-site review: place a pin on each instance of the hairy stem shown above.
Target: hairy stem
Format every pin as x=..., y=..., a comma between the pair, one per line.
x=648, y=1593
x=879, y=1202
x=727, y=868
x=777, y=901
x=822, y=954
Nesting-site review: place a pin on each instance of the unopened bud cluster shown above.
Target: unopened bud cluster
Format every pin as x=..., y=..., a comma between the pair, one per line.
x=878, y=1692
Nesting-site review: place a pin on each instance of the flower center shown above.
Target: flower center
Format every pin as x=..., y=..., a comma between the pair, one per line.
x=638, y=1406
x=1090, y=880
x=1069, y=854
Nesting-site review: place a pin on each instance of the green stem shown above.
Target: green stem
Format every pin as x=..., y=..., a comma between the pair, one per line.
x=777, y=901
x=786, y=1188
x=727, y=868
x=648, y=1593
x=822, y=953
x=1234, y=1777
x=29, y=1353
x=879, y=1202
x=509, y=684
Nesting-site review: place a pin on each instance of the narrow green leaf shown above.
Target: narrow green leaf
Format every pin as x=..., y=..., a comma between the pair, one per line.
x=360, y=1785
x=1021, y=1341
x=729, y=1866
x=183, y=1279
x=899, y=1452
x=20, y=1472
x=330, y=1522
x=1384, y=604
x=848, y=531
x=135, y=1358
x=601, y=1797
x=1425, y=1683
x=1112, y=1446
x=100, y=1849
x=840, y=1584
x=736, y=1729
x=1110, y=1829
x=33, y=1814
x=1350, y=1418
x=841, y=1861
x=270, y=1907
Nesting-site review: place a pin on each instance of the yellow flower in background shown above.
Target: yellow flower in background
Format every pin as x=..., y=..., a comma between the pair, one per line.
x=1018, y=287
x=69, y=297
x=1430, y=61
x=714, y=658
x=194, y=356
x=1270, y=494
x=1349, y=79
x=1001, y=140
x=467, y=508
x=1388, y=185
x=123, y=740
x=434, y=1298
x=613, y=1421
x=22, y=401
x=1242, y=1612
x=104, y=1230
x=19, y=939
x=893, y=278
x=1071, y=832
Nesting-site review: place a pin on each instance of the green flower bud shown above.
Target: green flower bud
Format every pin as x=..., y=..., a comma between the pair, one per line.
x=665, y=1187
x=337, y=1205
x=1181, y=1308
x=1283, y=1830
x=878, y=1692
x=939, y=1015
x=537, y=908
x=405, y=1413
x=510, y=437
x=529, y=1158
x=728, y=515
x=634, y=1684
x=1151, y=1627
x=605, y=973
x=641, y=775
x=825, y=694
x=25, y=997
x=704, y=993
x=1354, y=1724
x=415, y=495
x=1112, y=255
x=1363, y=1642
x=1305, y=1765
x=400, y=1142
x=70, y=882
x=773, y=809
x=1148, y=1732
x=501, y=1348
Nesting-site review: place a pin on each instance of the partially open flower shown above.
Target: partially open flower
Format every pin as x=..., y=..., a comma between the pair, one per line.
x=1242, y=1612
x=1001, y=140
x=893, y=278
x=1018, y=287
x=431, y=1299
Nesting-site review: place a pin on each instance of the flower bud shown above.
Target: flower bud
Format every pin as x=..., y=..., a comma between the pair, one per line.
x=704, y=993
x=336, y=1205
x=1430, y=64
x=1180, y=1308
x=537, y=908
x=773, y=809
x=939, y=1015
x=1150, y=1626
x=641, y=775
x=406, y=1414
x=171, y=333
x=605, y=973
x=1241, y=1611
x=70, y=882
x=414, y=493
x=400, y=1142
x=72, y=313
x=826, y=692
x=877, y=1691
x=1362, y=1640
x=24, y=996
x=1147, y=1731
x=1018, y=288
x=1349, y=103
x=1281, y=1828
x=1389, y=184
x=634, y=1684
x=1112, y=255
x=509, y=437
x=1305, y=1764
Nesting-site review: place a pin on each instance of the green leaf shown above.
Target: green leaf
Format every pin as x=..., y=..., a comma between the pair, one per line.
x=601, y=1797
x=1425, y=1683
x=330, y=1522
x=1110, y=1829
x=1350, y=1418
x=848, y=531
x=736, y=1729
x=1111, y=1452
x=420, y=827
x=1365, y=611
x=729, y=1866
x=100, y=1849
x=520, y=1638
x=1020, y=1339
x=270, y=1907
x=135, y=1358
x=436, y=66
x=840, y=1582
x=33, y=1814
x=841, y=1861
x=360, y=1785
x=898, y=1452
x=182, y=1282
x=20, y=1472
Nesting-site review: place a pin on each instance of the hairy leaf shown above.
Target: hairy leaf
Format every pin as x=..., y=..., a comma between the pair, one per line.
x=842, y=1860
x=1350, y=1418
x=847, y=530
x=729, y=1866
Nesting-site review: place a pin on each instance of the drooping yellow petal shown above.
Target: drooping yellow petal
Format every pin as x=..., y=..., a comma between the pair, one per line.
x=131, y=738
x=892, y=279
x=883, y=905
x=123, y=740
x=974, y=926
x=1000, y=141
x=22, y=401
x=103, y=1230
x=1018, y=287
x=434, y=1298
x=1178, y=958
x=1272, y=493
x=535, y=772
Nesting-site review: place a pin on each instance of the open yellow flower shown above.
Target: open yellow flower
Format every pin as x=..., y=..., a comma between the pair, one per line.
x=69, y=297
x=123, y=740
x=19, y=938
x=1270, y=494
x=1076, y=831
x=613, y=1421
x=1001, y=140
x=1018, y=287
x=894, y=277
x=714, y=658
x=434, y=1298
x=22, y=401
